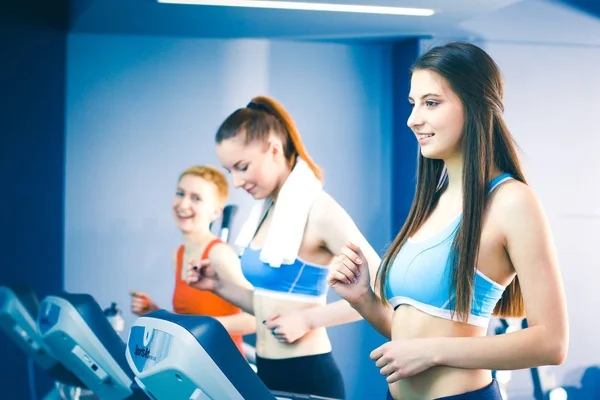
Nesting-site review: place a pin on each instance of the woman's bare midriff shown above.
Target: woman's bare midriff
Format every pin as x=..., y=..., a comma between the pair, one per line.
x=267, y=346
x=313, y=251
x=411, y=323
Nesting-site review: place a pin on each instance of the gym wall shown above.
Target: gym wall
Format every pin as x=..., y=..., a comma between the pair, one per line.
x=142, y=109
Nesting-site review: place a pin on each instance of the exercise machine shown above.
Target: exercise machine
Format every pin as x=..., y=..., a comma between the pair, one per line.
x=19, y=308
x=75, y=329
x=192, y=357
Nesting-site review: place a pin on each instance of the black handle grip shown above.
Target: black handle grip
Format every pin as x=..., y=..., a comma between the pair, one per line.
x=228, y=214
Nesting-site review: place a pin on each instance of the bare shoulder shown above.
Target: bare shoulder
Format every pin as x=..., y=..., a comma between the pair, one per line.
x=514, y=196
x=335, y=226
x=226, y=261
x=514, y=204
x=222, y=254
x=325, y=209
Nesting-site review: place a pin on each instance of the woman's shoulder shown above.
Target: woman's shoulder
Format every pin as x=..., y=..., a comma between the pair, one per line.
x=327, y=215
x=514, y=202
x=221, y=251
x=324, y=207
x=512, y=195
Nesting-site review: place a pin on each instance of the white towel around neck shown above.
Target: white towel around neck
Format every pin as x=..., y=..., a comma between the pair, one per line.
x=290, y=215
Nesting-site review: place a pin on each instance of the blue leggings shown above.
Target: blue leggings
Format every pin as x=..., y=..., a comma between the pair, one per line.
x=490, y=392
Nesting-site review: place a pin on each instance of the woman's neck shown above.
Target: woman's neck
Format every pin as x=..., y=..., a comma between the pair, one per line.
x=454, y=169
x=280, y=182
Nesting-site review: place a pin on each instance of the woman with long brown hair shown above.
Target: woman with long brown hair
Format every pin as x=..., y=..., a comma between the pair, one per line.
x=476, y=244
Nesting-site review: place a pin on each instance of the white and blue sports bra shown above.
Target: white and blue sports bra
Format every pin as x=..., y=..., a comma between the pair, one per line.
x=420, y=276
x=300, y=280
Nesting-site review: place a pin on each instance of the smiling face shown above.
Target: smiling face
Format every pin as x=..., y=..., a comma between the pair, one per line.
x=256, y=167
x=196, y=204
x=437, y=118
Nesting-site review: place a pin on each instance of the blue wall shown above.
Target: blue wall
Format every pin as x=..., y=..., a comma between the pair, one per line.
x=141, y=109
x=32, y=81
x=137, y=111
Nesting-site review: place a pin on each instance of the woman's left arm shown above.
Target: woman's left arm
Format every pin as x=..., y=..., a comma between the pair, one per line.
x=337, y=229
x=530, y=247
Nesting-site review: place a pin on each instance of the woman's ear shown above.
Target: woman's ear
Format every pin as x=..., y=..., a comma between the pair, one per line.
x=216, y=213
x=275, y=147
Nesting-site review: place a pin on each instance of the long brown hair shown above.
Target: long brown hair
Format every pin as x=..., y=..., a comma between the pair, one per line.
x=258, y=120
x=486, y=143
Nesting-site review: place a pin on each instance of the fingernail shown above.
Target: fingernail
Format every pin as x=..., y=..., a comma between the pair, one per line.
x=355, y=280
x=357, y=274
x=358, y=261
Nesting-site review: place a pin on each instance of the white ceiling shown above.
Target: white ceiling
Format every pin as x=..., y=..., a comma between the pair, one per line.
x=151, y=18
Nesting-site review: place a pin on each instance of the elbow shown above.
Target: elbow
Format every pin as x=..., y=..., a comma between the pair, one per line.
x=556, y=358
x=551, y=344
x=556, y=351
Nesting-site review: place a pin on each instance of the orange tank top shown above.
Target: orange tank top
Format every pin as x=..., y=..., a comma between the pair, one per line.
x=187, y=300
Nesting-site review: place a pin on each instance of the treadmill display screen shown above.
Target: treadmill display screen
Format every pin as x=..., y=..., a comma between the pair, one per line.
x=148, y=346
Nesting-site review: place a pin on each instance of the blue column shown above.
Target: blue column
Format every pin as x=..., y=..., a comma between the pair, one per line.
x=32, y=132
x=404, y=145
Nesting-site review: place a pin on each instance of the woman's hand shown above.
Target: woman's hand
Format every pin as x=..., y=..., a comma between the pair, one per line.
x=141, y=303
x=401, y=359
x=203, y=276
x=349, y=274
x=288, y=327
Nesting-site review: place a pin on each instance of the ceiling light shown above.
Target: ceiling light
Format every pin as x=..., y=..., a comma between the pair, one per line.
x=292, y=5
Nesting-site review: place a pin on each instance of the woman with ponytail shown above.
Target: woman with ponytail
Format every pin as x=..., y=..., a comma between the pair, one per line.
x=476, y=244
x=287, y=244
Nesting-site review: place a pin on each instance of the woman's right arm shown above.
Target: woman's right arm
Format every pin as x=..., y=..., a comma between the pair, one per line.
x=349, y=276
x=222, y=274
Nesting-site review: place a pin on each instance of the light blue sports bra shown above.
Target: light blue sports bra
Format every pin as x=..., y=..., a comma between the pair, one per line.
x=299, y=281
x=420, y=276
